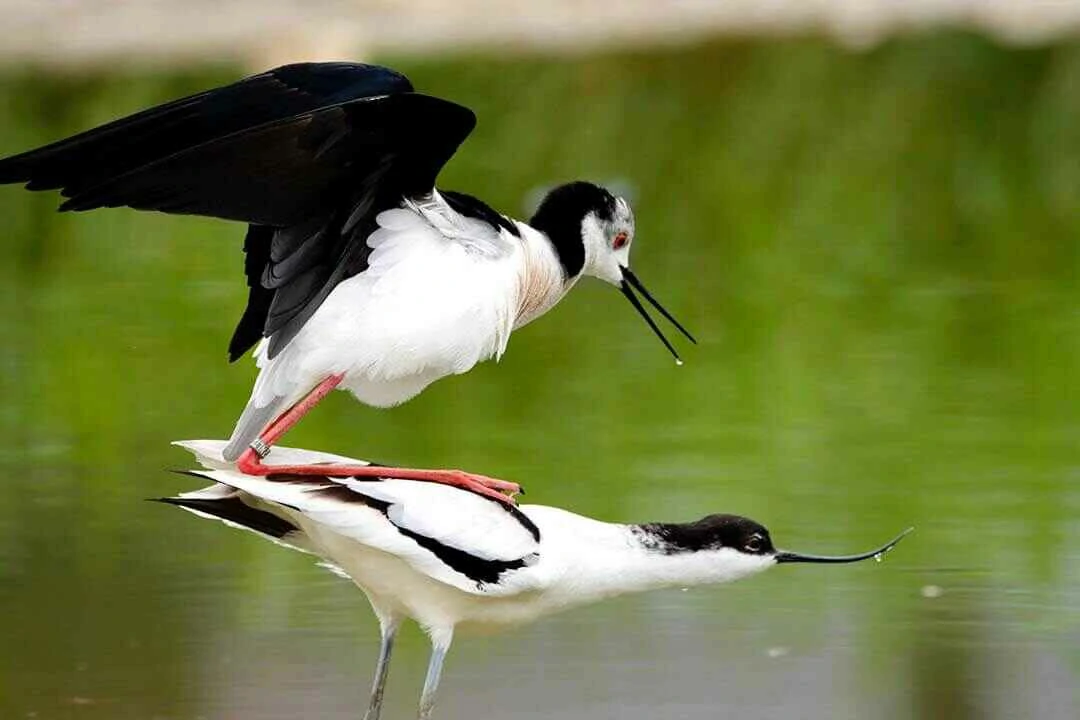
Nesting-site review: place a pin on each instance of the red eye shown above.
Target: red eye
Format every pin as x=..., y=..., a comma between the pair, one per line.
x=619, y=241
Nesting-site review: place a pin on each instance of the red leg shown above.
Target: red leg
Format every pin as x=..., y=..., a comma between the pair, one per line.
x=250, y=462
x=290, y=417
x=481, y=484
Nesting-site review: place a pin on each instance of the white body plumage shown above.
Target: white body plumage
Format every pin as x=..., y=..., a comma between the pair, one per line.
x=567, y=560
x=449, y=558
x=361, y=274
x=442, y=292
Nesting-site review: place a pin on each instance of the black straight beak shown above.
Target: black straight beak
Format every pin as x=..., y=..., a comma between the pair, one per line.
x=630, y=281
x=783, y=556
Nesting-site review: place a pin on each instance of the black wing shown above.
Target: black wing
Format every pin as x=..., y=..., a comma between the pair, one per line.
x=307, y=154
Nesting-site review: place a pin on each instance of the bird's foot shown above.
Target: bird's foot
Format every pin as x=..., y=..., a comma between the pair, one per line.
x=502, y=490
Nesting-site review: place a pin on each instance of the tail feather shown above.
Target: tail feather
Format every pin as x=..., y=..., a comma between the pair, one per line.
x=240, y=510
x=208, y=454
x=236, y=511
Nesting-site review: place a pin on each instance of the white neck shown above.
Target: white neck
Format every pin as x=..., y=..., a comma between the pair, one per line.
x=541, y=282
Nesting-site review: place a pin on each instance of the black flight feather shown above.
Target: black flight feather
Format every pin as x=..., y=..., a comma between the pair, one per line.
x=480, y=570
x=236, y=511
x=306, y=154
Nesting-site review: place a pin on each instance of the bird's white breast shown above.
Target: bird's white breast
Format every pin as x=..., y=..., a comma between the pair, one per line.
x=429, y=305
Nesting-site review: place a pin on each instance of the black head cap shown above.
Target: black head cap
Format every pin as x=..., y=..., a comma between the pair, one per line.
x=560, y=214
x=711, y=532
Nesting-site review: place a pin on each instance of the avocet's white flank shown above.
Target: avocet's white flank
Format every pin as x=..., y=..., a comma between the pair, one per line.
x=451, y=558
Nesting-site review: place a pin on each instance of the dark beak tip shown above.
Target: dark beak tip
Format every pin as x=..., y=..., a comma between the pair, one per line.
x=793, y=557
x=629, y=283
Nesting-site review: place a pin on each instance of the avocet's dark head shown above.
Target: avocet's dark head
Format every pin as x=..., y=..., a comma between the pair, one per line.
x=592, y=231
x=737, y=545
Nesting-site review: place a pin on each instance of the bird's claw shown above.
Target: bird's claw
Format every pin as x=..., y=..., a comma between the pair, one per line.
x=494, y=488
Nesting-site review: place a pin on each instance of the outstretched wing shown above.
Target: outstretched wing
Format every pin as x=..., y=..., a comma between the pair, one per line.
x=453, y=536
x=272, y=149
x=306, y=154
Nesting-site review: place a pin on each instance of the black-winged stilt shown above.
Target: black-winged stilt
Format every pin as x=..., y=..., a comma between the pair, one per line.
x=362, y=275
x=450, y=558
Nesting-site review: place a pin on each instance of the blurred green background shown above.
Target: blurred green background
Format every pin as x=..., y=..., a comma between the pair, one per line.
x=878, y=254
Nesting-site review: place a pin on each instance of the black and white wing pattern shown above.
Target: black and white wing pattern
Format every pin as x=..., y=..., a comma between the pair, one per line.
x=453, y=536
x=307, y=154
x=237, y=509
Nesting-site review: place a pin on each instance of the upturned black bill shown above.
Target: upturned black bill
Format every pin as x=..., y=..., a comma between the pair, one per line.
x=792, y=557
x=630, y=280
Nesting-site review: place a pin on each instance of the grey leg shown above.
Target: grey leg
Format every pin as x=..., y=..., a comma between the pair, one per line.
x=386, y=646
x=440, y=643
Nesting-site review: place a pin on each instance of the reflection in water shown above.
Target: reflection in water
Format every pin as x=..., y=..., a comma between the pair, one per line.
x=876, y=255
x=944, y=664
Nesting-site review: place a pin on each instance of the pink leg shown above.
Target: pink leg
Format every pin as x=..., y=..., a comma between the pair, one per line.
x=250, y=462
x=290, y=417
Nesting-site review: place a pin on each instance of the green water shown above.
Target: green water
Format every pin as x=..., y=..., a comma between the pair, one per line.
x=878, y=253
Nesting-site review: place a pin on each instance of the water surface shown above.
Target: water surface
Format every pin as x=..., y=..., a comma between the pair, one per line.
x=878, y=254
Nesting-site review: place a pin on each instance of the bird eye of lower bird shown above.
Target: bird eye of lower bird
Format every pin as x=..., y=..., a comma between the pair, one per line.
x=620, y=240
x=754, y=543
